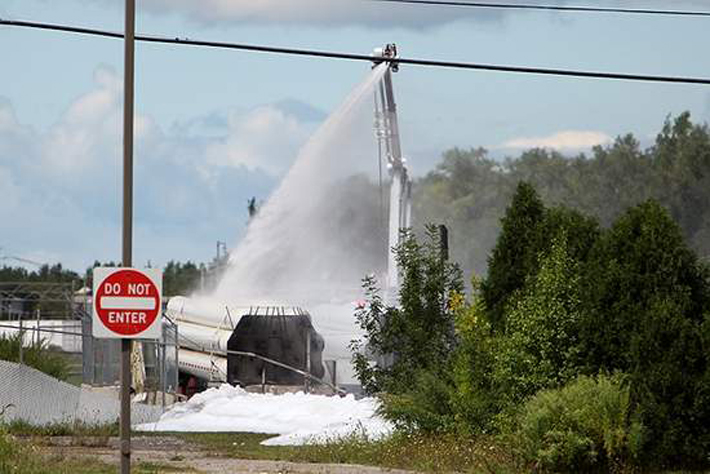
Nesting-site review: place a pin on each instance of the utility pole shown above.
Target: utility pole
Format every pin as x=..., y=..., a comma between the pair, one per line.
x=127, y=255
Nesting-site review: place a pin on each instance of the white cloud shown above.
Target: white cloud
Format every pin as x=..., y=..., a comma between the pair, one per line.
x=61, y=186
x=350, y=12
x=314, y=12
x=561, y=141
x=264, y=138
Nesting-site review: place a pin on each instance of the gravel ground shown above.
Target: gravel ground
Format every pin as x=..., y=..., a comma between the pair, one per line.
x=177, y=453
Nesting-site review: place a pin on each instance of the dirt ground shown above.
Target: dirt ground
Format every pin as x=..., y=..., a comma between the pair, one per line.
x=179, y=454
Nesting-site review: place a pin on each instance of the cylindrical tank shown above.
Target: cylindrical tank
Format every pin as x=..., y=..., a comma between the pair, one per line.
x=203, y=366
x=203, y=338
x=203, y=311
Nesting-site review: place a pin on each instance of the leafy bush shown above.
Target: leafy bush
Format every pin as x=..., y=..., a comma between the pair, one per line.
x=36, y=355
x=646, y=297
x=539, y=350
x=475, y=398
x=418, y=334
x=584, y=425
x=426, y=406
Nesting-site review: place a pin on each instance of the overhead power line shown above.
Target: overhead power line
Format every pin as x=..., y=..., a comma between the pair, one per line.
x=364, y=57
x=559, y=8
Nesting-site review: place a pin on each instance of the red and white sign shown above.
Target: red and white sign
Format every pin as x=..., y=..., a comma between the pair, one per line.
x=127, y=303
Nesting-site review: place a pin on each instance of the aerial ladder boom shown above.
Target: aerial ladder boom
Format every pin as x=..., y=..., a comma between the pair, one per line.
x=387, y=131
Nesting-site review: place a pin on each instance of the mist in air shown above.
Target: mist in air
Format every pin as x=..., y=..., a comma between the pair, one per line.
x=319, y=233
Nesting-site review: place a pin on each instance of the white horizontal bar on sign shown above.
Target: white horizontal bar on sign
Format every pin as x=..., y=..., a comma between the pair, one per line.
x=119, y=302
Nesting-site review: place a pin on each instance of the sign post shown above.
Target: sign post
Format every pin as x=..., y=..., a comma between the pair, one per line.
x=127, y=258
x=127, y=305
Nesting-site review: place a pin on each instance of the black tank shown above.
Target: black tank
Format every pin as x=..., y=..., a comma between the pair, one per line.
x=281, y=334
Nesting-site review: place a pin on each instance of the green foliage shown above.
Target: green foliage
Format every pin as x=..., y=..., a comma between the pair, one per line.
x=44, y=274
x=16, y=458
x=528, y=229
x=180, y=278
x=18, y=427
x=469, y=191
x=515, y=254
x=539, y=350
x=426, y=406
x=36, y=355
x=586, y=424
x=646, y=298
x=418, y=334
x=475, y=397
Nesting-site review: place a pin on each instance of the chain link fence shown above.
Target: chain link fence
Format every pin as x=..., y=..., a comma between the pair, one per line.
x=102, y=363
x=40, y=399
x=29, y=395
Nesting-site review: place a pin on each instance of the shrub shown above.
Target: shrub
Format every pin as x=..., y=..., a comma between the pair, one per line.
x=584, y=425
x=540, y=343
x=425, y=407
x=475, y=398
x=36, y=355
x=647, y=297
x=418, y=334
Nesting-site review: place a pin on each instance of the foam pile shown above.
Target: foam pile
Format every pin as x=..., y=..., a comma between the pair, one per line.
x=298, y=418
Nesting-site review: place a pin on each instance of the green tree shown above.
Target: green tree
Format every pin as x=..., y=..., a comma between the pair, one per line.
x=417, y=335
x=515, y=255
x=646, y=300
x=475, y=396
x=180, y=278
x=540, y=346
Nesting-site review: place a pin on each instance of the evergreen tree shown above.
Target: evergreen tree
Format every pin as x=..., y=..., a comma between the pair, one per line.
x=646, y=300
x=515, y=255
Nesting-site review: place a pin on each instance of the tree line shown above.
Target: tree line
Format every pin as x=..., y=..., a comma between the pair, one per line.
x=469, y=191
x=179, y=278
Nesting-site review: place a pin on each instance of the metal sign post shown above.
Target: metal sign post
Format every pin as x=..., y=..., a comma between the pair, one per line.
x=127, y=257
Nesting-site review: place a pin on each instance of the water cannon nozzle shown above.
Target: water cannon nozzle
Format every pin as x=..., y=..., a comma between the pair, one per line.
x=387, y=53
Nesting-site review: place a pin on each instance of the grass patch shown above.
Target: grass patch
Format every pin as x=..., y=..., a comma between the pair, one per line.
x=156, y=468
x=79, y=429
x=430, y=453
x=19, y=457
x=25, y=458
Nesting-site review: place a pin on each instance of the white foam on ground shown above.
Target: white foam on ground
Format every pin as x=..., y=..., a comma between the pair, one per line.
x=298, y=418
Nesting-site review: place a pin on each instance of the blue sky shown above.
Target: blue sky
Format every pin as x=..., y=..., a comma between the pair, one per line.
x=217, y=127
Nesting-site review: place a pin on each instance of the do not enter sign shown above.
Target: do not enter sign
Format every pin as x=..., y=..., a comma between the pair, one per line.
x=127, y=303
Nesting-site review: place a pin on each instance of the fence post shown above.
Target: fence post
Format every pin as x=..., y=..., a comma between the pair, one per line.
x=21, y=341
x=263, y=378
x=37, y=329
x=307, y=380
x=164, y=371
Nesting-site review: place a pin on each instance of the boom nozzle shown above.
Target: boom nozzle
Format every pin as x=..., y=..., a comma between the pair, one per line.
x=387, y=53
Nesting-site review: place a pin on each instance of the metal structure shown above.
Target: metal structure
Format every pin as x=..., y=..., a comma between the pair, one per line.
x=387, y=133
x=32, y=300
x=205, y=346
